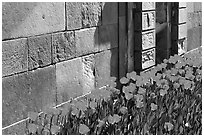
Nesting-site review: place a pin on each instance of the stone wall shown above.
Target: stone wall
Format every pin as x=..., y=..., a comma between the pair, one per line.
x=52, y=52
x=194, y=24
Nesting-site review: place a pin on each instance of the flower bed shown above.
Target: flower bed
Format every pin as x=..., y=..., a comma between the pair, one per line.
x=164, y=100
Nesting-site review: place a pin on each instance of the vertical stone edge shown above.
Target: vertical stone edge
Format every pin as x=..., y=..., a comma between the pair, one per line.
x=122, y=47
x=142, y=31
x=130, y=38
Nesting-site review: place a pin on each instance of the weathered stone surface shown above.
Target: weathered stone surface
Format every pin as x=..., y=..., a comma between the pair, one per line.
x=74, y=77
x=190, y=6
x=194, y=38
x=39, y=51
x=88, y=73
x=144, y=59
x=182, y=15
x=194, y=6
x=15, y=96
x=27, y=92
x=81, y=15
x=109, y=13
x=24, y=19
x=194, y=19
x=144, y=40
x=197, y=6
x=148, y=5
x=108, y=37
x=14, y=56
x=144, y=20
x=42, y=87
x=69, y=84
x=86, y=41
x=148, y=58
x=91, y=14
x=179, y=31
x=64, y=46
x=18, y=129
x=182, y=46
x=73, y=15
x=182, y=31
x=182, y=4
x=143, y=6
x=106, y=66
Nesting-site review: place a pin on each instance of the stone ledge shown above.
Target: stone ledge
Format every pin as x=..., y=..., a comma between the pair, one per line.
x=18, y=129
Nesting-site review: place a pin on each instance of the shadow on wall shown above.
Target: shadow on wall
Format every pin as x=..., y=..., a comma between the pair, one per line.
x=106, y=39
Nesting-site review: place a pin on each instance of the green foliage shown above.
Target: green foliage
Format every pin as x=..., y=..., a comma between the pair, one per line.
x=165, y=100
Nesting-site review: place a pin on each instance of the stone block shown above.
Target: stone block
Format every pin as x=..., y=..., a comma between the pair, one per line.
x=14, y=56
x=108, y=37
x=39, y=51
x=26, y=92
x=83, y=14
x=182, y=15
x=74, y=77
x=179, y=31
x=144, y=20
x=190, y=6
x=15, y=99
x=148, y=58
x=86, y=41
x=106, y=66
x=200, y=18
x=143, y=6
x=18, y=129
x=144, y=59
x=88, y=77
x=68, y=79
x=148, y=6
x=42, y=87
x=73, y=15
x=182, y=31
x=91, y=14
x=109, y=13
x=182, y=4
x=22, y=19
x=194, y=38
x=182, y=46
x=194, y=19
x=63, y=46
x=197, y=6
x=144, y=40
